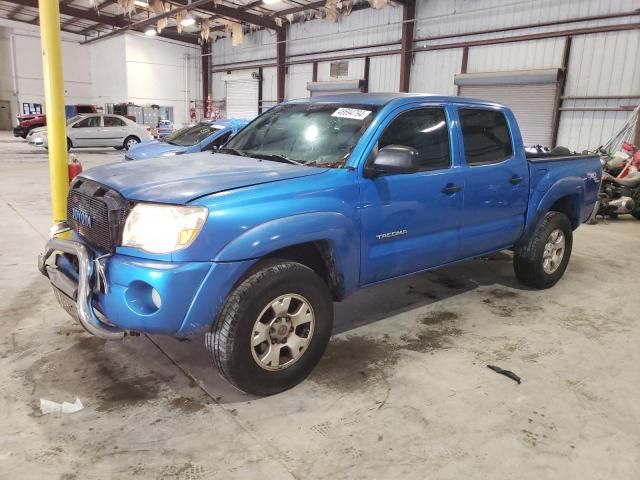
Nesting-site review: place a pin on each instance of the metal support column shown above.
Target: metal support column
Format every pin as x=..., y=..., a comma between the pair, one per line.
x=406, y=54
x=562, y=81
x=206, y=77
x=54, y=107
x=281, y=54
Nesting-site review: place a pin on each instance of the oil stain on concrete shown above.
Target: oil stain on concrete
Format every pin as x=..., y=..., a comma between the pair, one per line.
x=356, y=362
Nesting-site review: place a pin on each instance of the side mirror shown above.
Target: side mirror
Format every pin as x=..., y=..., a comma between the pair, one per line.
x=392, y=160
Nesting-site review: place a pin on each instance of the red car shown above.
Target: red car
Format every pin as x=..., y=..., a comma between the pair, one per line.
x=26, y=123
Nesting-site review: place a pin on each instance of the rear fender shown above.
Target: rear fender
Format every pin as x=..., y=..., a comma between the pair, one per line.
x=285, y=232
x=541, y=202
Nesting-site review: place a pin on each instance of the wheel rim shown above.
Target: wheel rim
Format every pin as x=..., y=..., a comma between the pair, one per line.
x=553, y=251
x=131, y=142
x=282, y=332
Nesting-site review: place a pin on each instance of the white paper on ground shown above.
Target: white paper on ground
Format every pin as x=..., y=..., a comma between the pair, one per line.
x=47, y=406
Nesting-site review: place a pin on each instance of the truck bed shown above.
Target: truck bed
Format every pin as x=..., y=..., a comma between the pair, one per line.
x=554, y=157
x=555, y=172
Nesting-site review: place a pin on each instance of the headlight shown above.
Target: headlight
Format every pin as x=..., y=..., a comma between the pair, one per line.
x=163, y=228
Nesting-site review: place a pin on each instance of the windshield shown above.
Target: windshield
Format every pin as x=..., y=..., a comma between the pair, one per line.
x=191, y=135
x=73, y=119
x=313, y=134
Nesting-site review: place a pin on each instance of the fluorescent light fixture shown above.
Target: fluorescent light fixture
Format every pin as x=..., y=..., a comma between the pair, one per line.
x=150, y=32
x=188, y=21
x=270, y=2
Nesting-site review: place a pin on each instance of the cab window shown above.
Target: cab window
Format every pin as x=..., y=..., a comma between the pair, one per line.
x=424, y=129
x=486, y=136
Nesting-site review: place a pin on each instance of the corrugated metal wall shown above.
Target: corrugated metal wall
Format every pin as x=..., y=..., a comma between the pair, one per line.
x=602, y=64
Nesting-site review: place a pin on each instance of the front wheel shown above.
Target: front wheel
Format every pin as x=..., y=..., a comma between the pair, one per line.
x=130, y=141
x=272, y=329
x=541, y=261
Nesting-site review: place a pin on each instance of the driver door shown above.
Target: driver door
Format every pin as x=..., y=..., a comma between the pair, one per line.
x=86, y=132
x=410, y=222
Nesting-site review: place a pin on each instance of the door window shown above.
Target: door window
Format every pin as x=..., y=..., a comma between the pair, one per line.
x=486, y=136
x=88, y=122
x=113, y=122
x=424, y=129
x=218, y=142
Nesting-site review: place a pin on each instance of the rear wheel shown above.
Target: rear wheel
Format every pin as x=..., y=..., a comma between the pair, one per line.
x=69, y=144
x=542, y=260
x=272, y=329
x=130, y=141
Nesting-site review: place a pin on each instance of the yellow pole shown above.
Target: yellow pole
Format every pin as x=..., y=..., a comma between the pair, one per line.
x=54, y=106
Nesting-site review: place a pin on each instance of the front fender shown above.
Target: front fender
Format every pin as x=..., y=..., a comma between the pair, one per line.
x=284, y=232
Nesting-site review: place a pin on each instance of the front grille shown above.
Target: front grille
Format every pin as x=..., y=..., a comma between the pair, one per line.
x=96, y=213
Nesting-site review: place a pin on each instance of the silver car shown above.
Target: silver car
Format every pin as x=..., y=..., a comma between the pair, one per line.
x=97, y=130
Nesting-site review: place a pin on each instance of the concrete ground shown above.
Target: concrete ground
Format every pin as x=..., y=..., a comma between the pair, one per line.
x=402, y=392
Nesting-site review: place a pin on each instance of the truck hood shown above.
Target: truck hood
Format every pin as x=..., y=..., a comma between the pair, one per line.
x=180, y=179
x=152, y=149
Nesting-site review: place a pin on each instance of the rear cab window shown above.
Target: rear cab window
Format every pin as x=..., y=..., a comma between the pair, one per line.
x=486, y=136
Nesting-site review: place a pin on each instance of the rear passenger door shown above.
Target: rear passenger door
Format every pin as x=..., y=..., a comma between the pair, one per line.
x=496, y=188
x=113, y=131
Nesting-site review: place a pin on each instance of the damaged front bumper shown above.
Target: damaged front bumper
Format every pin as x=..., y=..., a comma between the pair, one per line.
x=119, y=294
x=76, y=297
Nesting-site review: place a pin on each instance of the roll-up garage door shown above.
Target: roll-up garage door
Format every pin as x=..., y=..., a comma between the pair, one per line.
x=318, y=89
x=531, y=95
x=242, y=97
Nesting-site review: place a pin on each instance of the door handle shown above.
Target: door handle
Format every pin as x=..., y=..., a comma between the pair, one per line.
x=451, y=188
x=515, y=180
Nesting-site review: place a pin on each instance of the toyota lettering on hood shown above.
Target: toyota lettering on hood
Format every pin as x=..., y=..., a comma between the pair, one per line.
x=181, y=179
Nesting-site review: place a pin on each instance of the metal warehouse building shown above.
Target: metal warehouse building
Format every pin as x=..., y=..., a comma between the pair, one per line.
x=569, y=70
x=319, y=239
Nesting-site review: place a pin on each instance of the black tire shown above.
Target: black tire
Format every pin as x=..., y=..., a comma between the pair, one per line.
x=636, y=214
x=69, y=144
x=26, y=133
x=127, y=142
x=121, y=147
x=229, y=340
x=528, y=257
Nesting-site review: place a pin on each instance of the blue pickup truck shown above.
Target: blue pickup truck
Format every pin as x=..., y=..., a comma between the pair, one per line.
x=311, y=201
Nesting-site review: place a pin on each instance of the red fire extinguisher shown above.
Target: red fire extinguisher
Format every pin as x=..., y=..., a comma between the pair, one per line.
x=74, y=168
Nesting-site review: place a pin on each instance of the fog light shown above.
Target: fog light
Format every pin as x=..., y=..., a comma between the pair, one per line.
x=155, y=298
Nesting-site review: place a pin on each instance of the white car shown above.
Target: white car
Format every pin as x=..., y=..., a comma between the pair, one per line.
x=97, y=130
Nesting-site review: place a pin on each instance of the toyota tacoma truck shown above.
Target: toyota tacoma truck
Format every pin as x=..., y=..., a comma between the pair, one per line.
x=311, y=201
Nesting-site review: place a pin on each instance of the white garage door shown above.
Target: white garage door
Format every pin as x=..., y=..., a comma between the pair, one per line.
x=318, y=89
x=242, y=97
x=530, y=95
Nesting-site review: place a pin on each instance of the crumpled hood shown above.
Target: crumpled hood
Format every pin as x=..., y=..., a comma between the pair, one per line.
x=152, y=149
x=183, y=178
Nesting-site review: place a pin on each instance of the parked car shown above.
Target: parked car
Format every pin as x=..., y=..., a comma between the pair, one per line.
x=26, y=123
x=310, y=202
x=97, y=130
x=207, y=135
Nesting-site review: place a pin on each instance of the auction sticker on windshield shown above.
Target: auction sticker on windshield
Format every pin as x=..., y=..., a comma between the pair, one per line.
x=353, y=113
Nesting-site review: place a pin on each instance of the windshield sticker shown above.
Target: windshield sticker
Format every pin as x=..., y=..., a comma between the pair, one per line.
x=352, y=113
